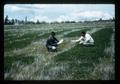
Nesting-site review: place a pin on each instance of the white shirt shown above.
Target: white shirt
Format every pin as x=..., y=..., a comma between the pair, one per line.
x=86, y=38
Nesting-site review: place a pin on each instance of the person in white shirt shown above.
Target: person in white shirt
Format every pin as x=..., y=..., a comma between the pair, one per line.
x=85, y=39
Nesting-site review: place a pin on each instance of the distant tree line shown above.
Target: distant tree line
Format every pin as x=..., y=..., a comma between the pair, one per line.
x=7, y=21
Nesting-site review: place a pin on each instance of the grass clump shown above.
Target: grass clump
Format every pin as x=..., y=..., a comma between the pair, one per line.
x=24, y=60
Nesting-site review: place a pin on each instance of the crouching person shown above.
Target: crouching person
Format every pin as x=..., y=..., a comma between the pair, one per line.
x=85, y=39
x=51, y=43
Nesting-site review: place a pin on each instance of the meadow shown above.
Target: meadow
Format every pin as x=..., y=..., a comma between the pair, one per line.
x=26, y=57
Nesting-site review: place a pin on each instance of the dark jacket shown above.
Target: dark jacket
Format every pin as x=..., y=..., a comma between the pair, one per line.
x=51, y=41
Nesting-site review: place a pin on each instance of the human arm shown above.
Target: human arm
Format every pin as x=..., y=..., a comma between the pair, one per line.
x=55, y=39
x=81, y=38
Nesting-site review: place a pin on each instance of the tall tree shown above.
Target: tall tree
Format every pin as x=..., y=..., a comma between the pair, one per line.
x=6, y=20
x=37, y=22
x=12, y=22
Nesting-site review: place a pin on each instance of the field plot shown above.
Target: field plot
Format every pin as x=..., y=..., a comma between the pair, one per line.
x=26, y=57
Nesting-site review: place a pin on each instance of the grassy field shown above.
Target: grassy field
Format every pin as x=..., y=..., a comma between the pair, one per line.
x=26, y=57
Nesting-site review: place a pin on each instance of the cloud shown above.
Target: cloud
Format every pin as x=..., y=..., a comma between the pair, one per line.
x=33, y=7
x=63, y=18
x=58, y=12
x=12, y=8
x=24, y=8
x=84, y=15
x=40, y=18
x=76, y=16
x=91, y=15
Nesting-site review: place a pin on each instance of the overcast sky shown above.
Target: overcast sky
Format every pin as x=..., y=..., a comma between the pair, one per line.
x=59, y=12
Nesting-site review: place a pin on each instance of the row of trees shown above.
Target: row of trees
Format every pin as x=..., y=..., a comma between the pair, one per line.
x=7, y=21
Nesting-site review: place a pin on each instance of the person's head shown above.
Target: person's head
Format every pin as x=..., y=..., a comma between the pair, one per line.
x=83, y=33
x=53, y=33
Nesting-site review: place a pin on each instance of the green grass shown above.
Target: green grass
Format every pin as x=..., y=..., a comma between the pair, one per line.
x=73, y=34
x=57, y=33
x=77, y=63
x=24, y=60
x=23, y=43
x=29, y=37
x=88, y=56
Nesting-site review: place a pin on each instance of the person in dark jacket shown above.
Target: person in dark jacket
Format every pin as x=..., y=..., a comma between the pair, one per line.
x=51, y=43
